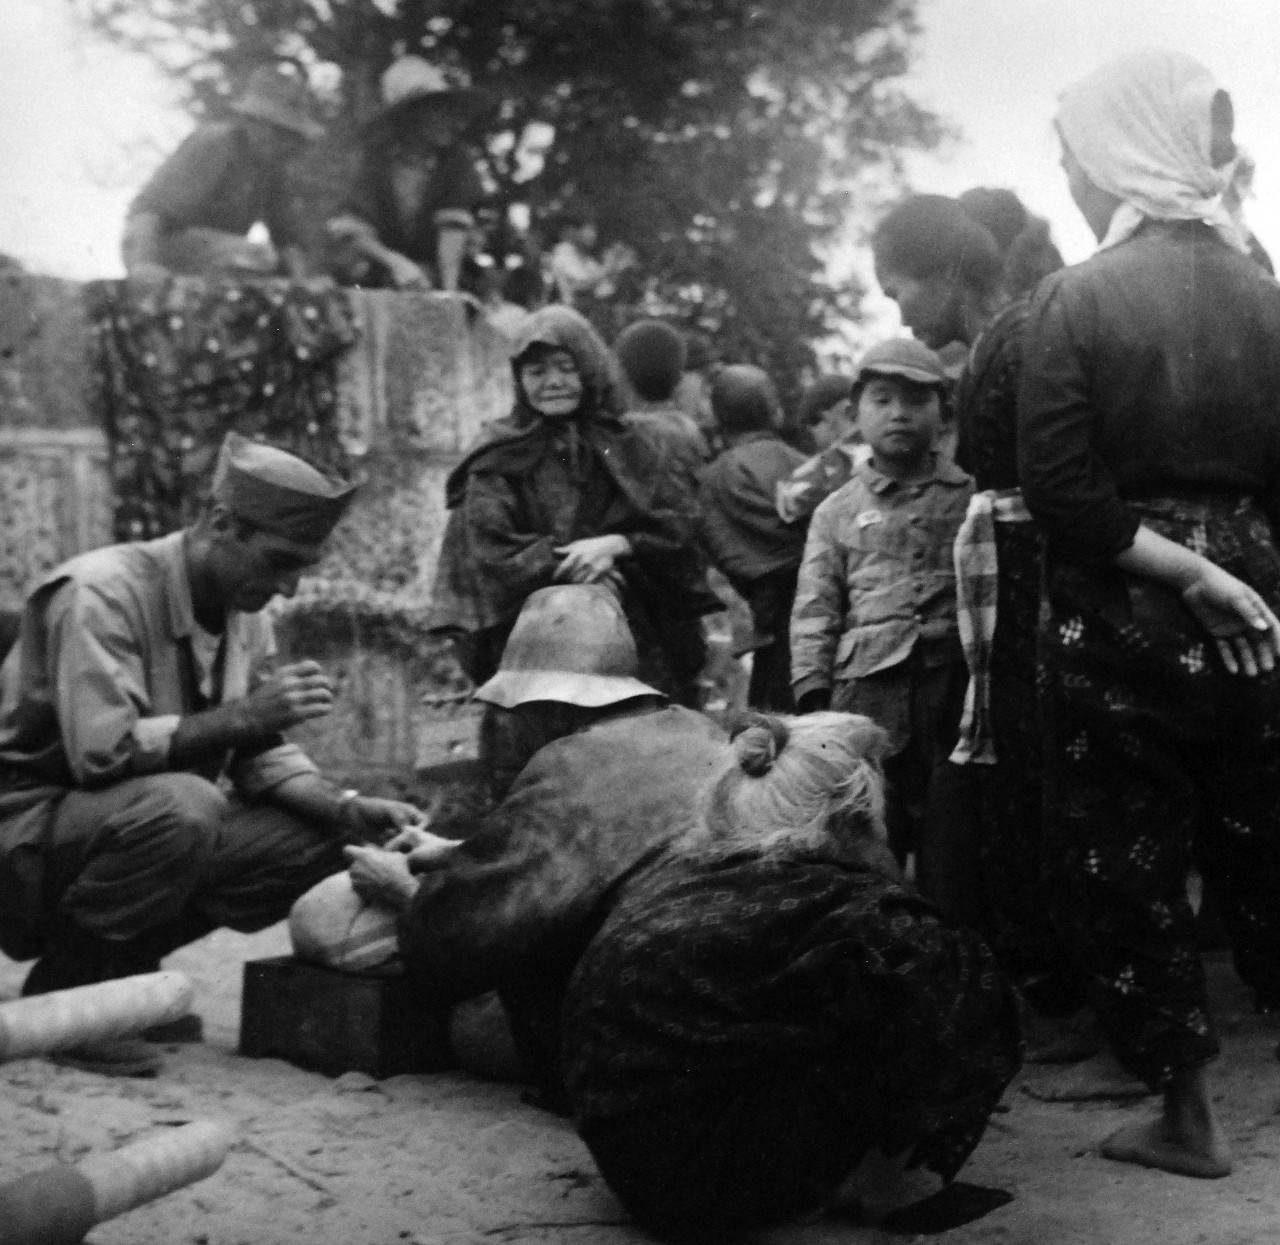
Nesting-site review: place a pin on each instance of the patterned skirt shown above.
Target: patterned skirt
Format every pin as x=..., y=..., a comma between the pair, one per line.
x=745, y=1028
x=1158, y=760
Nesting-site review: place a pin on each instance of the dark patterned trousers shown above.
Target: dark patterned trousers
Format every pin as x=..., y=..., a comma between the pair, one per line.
x=1158, y=760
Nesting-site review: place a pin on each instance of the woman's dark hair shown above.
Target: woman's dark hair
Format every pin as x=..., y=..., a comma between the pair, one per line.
x=1030, y=258
x=1023, y=239
x=986, y=239
x=998, y=210
x=932, y=235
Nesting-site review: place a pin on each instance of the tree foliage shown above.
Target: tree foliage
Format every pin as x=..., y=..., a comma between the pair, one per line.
x=727, y=141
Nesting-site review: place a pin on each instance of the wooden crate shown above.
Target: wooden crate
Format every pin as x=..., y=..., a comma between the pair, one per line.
x=334, y=1022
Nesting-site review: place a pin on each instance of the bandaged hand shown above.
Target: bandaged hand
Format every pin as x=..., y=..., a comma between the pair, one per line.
x=381, y=877
x=590, y=560
x=422, y=848
x=291, y=695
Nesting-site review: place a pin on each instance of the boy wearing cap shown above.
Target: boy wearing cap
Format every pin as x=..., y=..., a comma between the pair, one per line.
x=873, y=629
x=142, y=676
x=194, y=213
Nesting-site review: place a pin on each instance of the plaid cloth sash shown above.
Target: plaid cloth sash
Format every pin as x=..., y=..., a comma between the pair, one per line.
x=976, y=578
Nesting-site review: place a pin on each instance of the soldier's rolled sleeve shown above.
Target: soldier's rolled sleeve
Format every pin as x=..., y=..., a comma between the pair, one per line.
x=256, y=775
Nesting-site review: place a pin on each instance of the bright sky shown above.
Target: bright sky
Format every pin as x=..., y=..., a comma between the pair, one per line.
x=85, y=123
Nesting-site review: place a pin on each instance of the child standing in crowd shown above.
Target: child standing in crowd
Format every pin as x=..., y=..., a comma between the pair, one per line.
x=828, y=414
x=873, y=629
x=652, y=355
x=741, y=530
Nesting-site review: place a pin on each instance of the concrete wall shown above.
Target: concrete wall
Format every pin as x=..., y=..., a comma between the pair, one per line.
x=425, y=375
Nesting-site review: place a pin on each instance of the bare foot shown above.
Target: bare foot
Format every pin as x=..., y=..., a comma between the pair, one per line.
x=1154, y=1143
x=1099, y=1078
x=1185, y=1139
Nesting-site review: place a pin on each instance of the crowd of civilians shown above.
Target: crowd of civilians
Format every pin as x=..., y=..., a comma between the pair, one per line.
x=1011, y=585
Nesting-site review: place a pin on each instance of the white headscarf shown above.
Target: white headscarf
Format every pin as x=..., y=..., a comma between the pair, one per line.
x=1140, y=128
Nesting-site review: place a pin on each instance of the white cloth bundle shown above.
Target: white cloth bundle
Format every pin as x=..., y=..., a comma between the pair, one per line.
x=331, y=925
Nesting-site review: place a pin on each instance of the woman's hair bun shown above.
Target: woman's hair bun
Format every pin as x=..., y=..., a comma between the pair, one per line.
x=758, y=743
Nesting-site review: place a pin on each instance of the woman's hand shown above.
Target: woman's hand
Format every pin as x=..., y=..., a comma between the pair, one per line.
x=1241, y=623
x=381, y=877
x=590, y=560
x=422, y=848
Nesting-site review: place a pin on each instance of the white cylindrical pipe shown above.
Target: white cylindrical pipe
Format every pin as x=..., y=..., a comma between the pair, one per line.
x=141, y=1172
x=58, y=1205
x=111, y=1009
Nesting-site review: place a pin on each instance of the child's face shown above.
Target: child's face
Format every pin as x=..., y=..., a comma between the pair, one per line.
x=899, y=419
x=552, y=383
x=837, y=423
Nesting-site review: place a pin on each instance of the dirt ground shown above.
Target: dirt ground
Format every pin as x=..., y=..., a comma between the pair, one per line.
x=449, y=1160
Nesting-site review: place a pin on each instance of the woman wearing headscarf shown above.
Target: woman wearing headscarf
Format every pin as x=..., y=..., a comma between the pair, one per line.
x=1149, y=454
x=769, y=1011
x=563, y=491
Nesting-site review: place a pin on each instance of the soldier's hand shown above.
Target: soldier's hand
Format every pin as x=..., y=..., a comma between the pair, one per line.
x=375, y=818
x=291, y=695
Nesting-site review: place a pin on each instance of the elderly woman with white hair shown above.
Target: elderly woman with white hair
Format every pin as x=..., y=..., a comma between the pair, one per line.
x=1149, y=455
x=769, y=1012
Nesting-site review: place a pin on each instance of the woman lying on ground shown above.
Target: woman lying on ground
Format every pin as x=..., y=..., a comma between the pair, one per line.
x=608, y=774
x=769, y=1011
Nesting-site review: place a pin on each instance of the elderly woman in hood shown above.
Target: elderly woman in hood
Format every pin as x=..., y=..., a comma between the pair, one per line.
x=562, y=491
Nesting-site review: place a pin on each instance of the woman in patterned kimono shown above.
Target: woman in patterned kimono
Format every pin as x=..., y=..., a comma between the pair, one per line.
x=1149, y=455
x=769, y=1006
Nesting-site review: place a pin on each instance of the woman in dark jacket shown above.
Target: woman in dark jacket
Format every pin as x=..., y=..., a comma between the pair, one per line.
x=769, y=1010
x=1149, y=454
x=563, y=491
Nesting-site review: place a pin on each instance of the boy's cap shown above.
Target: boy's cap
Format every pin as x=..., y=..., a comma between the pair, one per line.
x=906, y=357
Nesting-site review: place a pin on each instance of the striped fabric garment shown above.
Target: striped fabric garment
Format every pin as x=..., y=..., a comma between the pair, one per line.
x=977, y=575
